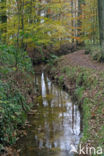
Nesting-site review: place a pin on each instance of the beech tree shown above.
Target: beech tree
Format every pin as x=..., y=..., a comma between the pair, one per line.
x=89, y=22
x=43, y=22
x=39, y=22
x=101, y=21
x=3, y=19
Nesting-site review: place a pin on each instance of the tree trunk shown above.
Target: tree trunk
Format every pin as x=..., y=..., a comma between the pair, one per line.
x=79, y=24
x=3, y=20
x=22, y=22
x=101, y=21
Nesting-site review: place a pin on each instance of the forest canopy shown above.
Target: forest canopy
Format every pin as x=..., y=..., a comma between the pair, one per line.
x=44, y=22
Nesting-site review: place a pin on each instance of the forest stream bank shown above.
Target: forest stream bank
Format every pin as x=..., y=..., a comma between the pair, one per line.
x=83, y=78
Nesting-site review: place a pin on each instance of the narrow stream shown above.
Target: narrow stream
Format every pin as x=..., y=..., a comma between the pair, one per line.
x=55, y=123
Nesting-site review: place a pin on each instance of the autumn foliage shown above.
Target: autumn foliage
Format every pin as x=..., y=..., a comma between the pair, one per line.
x=43, y=22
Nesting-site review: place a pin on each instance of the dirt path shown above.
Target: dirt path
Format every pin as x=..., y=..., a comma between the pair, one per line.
x=79, y=58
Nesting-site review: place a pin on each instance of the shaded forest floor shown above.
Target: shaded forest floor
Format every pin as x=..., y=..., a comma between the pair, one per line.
x=84, y=80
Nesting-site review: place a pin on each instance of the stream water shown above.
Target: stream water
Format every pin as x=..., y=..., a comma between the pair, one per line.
x=55, y=123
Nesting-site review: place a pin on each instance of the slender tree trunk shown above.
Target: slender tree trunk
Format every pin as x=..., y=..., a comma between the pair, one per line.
x=101, y=21
x=72, y=23
x=80, y=2
x=3, y=20
x=22, y=22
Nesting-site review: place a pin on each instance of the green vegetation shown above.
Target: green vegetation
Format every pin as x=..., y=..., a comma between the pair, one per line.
x=52, y=59
x=15, y=85
x=96, y=52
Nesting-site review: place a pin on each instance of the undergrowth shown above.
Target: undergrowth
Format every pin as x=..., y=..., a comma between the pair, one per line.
x=96, y=51
x=15, y=87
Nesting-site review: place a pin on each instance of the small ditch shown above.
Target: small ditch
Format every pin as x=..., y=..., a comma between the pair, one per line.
x=56, y=122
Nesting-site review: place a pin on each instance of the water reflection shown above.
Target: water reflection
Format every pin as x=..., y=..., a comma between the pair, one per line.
x=55, y=125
